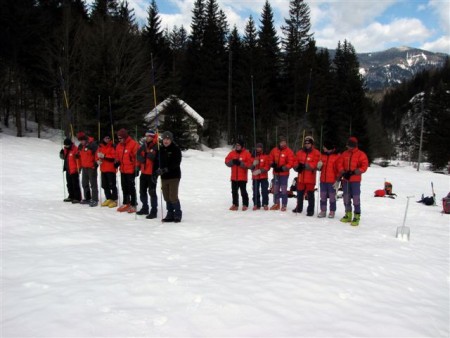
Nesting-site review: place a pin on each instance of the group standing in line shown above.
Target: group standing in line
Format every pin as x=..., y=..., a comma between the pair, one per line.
x=149, y=159
x=335, y=169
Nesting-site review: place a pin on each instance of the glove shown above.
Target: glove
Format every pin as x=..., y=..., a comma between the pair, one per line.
x=136, y=172
x=348, y=174
x=99, y=162
x=161, y=171
x=357, y=171
x=77, y=155
x=100, y=155
x=257, y=172
x=336, y=185
x=229, y=163
x=242, y=165
x=236, y=161
x=116, y=165
x=273, y=165
x=255, y=162
x=278, y=169
x=284, y=168
x=300, y=167
x=151, y=155
x=308, y=167
x=61, y=154
x=319, y=165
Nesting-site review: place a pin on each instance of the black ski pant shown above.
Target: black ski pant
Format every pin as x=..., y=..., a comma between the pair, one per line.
x=311, y=201
x=73, y=186
x=109, y=185
x=128, y=188
x=260, y=187
x=147, y=183
x=235, y=187
x=89, y=183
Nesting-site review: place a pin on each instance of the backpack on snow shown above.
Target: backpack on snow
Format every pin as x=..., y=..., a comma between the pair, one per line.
x=446, y=204
x=427, y=200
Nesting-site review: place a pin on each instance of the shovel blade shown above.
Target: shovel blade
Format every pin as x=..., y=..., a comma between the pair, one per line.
x=403, y=233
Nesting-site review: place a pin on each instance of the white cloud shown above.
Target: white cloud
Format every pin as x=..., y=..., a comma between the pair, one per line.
x=442, y=9
x=441, y=45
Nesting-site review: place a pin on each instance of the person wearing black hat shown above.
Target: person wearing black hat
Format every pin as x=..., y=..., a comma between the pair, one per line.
x=106, y=154
x=260, y=168
x=239, y=160
x=71, y=167
x=328, y=175
x=147, y=157
x=169, y=168
x=282, y=160
x=351, y=165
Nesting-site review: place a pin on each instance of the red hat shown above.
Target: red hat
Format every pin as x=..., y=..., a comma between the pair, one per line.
x=81, y=136
x=352, y=142
x=122, y=133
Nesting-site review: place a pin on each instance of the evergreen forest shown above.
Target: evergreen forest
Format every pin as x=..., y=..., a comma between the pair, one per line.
x=69, y=66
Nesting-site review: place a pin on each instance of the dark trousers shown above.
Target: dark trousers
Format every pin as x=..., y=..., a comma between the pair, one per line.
x=89, y=183
x=147, y=183
x=128, y=188
x=260, y=188
x=109, y=185
x=352, y=191
x=235, y=187
x=73, y=186
x=311, y=201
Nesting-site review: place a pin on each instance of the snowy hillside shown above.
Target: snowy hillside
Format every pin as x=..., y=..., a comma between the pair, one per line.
x=75, y=271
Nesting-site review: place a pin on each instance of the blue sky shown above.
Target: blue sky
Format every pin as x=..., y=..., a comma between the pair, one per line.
x=368, y=24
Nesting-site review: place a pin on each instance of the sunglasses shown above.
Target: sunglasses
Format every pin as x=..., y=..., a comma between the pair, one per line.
x=307, y=142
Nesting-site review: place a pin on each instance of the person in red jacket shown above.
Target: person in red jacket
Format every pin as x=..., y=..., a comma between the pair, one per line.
x=305, y=164
x=352, y=164
x=72, y=168
x=126, y=152
x=239, y=160
x=328, y=175
x=260, y=168
x=86, y=150
x=282, y=160
x=105, y=156
x=147, y=158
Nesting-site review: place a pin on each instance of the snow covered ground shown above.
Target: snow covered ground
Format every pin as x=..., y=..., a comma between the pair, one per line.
x=75, y=271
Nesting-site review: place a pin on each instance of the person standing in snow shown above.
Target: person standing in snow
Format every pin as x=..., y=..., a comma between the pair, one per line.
x=147, y=157
x=305, y=164
x=106, y=155
x=328, y=175
x=352, y=164
x=239, y=160
x=260, y=168
x=72, y=169
x=169, y=168
x=86, y=150
x=282, y=160
x=126, y=152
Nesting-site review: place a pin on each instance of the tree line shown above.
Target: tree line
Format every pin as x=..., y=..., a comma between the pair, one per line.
x=251, y=85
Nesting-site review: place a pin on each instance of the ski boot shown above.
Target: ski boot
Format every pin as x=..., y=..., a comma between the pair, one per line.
x=347, y=217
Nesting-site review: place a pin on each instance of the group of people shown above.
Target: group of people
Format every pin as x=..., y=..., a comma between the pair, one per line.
x=335, y=169
x=149, y=159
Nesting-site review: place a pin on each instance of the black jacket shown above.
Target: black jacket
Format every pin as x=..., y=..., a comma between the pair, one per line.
x=170, y=158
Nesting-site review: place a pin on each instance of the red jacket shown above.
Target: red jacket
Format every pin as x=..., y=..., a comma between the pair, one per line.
x=87, y=153
x=309, y=160
x=107, y=165
x=239, y=172
x=329, y=169
x=351, y=160
x=71, y=161
x=282, y=158
x=146, y=156
x=126, y=155
x=263, y=165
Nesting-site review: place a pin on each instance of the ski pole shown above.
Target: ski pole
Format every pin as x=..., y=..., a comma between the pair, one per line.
x=254, y=141
x=318, y=172
x=111, y=119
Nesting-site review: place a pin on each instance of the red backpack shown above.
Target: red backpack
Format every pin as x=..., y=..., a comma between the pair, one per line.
x=446, y=204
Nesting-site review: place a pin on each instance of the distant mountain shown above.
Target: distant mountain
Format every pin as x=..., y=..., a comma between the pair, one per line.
x=395, y=65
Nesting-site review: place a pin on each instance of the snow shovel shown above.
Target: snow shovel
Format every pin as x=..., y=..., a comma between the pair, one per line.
x=404, y=232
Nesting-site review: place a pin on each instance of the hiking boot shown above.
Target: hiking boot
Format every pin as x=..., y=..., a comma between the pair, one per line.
x=143, y=211
x=297, y=210
x=123, y=208
x=68, y=199
x=322, y=214
x=85, y=201
x=75, y=201
x=256, y=208
x=93, y=203
x=331, y=214
x=169, y=218
x=131, y=209
x=244, y=208
x=106, y=203
x=266, y=207
x=234, y=207
x=310, y=213
x=275, y=207
x=355, y=221
x=283, y=208
x=347, y=217
x=112, y=204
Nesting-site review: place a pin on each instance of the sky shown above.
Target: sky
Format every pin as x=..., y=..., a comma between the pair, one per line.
x=369, y=25
x=69, y=270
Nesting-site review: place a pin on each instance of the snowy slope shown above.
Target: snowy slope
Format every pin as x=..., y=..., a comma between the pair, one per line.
x=75, y=271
